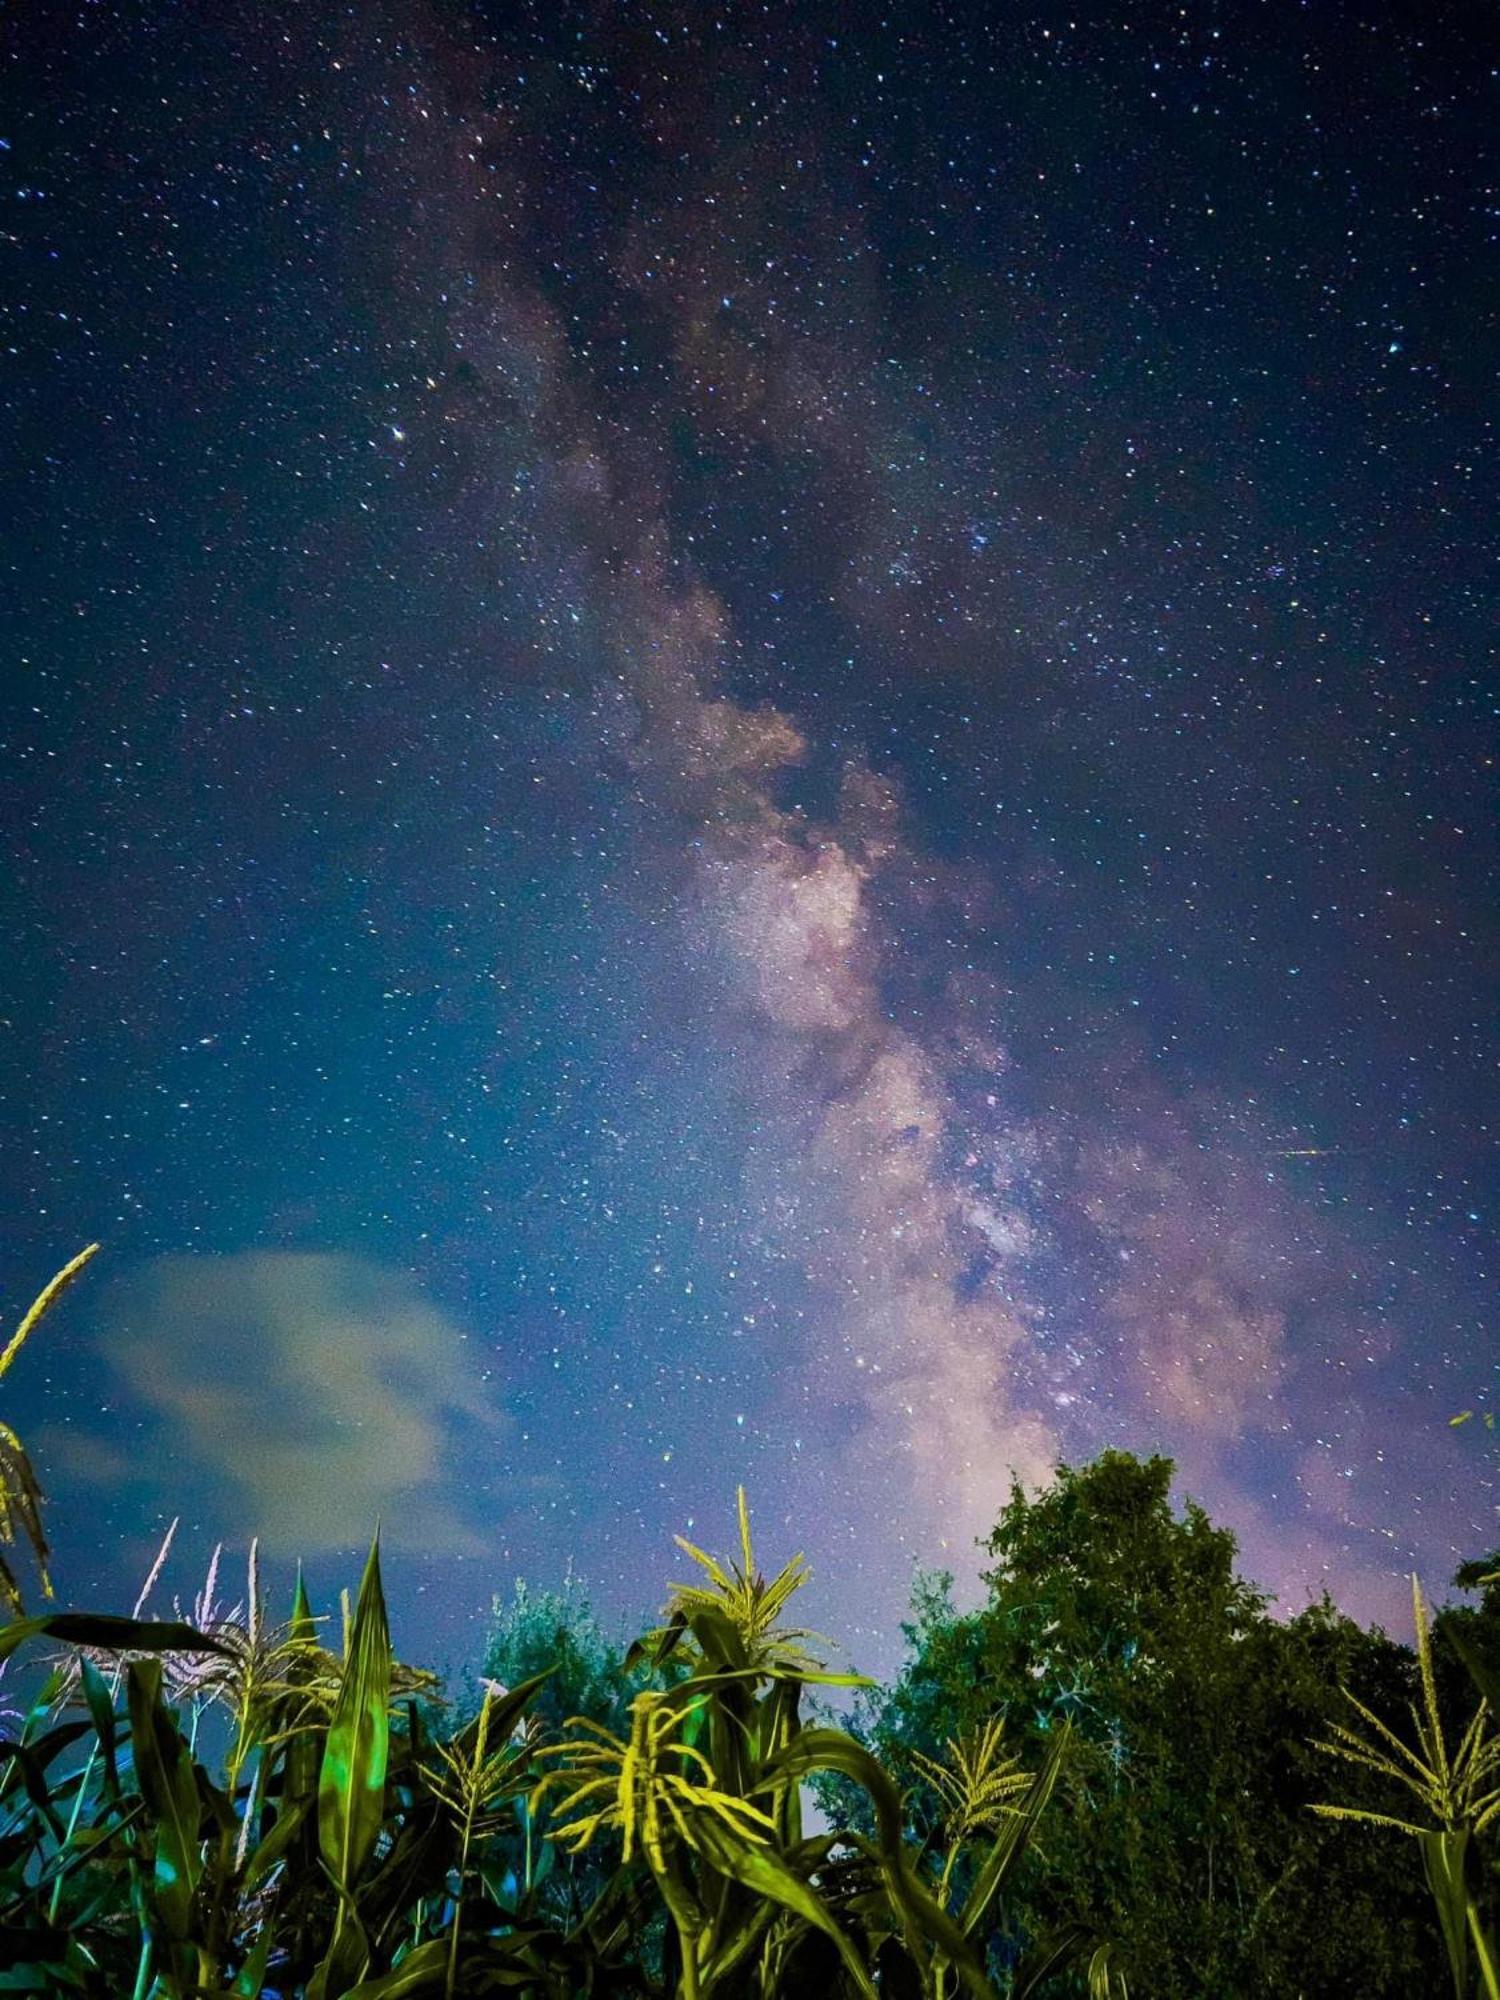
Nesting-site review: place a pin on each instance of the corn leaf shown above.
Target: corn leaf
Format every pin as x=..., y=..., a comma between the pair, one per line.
x=96, y=1692
x=925, y=1925
x=351, y=1783
x=276, y=1843
x=107, y=1634
x=252, y=1974
x=303, y=1750
x=1011, y=1841
x=495, y=1963
x=421, y=1971
x=762, y=1871
x=1051, y=1953
x=164, y=1773
x=1443, y=1856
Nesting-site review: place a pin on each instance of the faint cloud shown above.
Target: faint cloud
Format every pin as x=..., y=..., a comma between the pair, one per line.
x=78, y=1456
x=317, y=1393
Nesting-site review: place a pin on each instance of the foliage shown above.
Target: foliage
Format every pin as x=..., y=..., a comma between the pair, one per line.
x=1097, y=1784
x=1181, y=1834
x=1457, y=1791
x=344, y=1854
x=706, y=1794
x=344, y=1851
x=556, y=1634
x=559, y=1630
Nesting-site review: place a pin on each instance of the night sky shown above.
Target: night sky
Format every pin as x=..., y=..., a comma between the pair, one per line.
x=748, y=744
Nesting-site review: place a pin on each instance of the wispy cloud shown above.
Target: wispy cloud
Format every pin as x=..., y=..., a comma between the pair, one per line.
x=314, y=1393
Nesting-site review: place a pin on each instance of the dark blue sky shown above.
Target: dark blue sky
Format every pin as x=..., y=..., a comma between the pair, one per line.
x=749, y=745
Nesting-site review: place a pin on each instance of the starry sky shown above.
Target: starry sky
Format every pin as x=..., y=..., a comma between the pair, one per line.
x=748, y=744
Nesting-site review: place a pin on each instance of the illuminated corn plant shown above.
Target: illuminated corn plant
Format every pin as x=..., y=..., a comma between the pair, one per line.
x=1458, y=1791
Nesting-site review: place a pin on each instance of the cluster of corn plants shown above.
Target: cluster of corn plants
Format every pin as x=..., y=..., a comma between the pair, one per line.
x=706, y=1793
x=335, y=1850
x=346, y=1845
x=347, y=1849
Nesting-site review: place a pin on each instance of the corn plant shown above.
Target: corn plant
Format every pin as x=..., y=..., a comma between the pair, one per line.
x=975, y=1780
x=706, y=1790
x=475, y=1782
x=1458, y=1791
x=692, y=1791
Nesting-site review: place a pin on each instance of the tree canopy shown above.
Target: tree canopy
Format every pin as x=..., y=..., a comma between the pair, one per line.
x=1182, y=1829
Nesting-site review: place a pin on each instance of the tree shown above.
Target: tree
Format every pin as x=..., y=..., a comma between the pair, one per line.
x=559, y=1634
x=533, y=1630
x=1181, y=1831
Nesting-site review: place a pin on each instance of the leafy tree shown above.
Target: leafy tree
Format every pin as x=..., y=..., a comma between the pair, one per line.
x=558, y=1633
x=1466, y=1637
x=1182, y=1832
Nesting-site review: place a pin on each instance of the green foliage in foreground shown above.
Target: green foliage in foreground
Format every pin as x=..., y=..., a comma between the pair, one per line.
x=344, y=1851
x=1116, y=1770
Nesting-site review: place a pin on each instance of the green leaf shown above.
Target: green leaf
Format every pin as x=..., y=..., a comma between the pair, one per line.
x=299, y=1781
x=496, y=1962
x=1443, y=1856
x=274, y=1846
x=923, y=1922
x=423, y=1970
x=164, y=1773
x=97, y=1693
x=765, y=1874
x=351, y=1783
x=622, y=1908
x=505, y=1711
x=346, y=1960
x=1048, y=1955
x=252, y=1974
x=107, y=1633
x=302, y=1626
x=34, y=1781
x=1014, y=1835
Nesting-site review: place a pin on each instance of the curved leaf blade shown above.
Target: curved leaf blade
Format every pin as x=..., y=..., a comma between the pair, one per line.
x=351, y=1783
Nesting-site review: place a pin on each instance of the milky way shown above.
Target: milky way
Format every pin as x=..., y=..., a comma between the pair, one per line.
x=750, y=749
